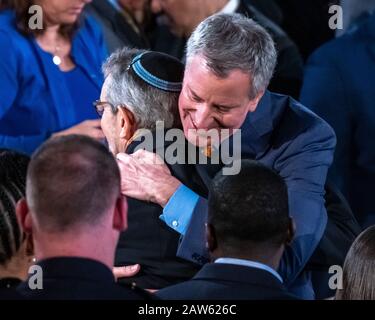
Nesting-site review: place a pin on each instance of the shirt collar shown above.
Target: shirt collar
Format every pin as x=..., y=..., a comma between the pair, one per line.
x=248, y=263
x=231, y=6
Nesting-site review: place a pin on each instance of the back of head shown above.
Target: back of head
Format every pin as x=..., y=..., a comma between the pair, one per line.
x=13, y=168
x=359, y=268
x=72, y=181
x=233, y=41
x=249, y=211
x=148, y=103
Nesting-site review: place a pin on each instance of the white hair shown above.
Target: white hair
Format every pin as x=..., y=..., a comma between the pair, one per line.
x=124, y=87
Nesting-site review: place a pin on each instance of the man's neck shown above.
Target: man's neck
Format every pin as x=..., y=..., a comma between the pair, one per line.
x=53, y=246
x=265, y=256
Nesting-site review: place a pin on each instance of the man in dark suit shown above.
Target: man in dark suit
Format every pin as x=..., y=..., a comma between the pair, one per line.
x=75, y=213
x=119, y=26
x=142, y=88
x=339, y=87
x=248, y=228
x=184, y=15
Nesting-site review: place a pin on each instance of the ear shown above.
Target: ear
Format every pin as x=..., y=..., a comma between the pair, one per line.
x=291, y=231
x=23, y=216
x=127, y=123
x=211, y=238
x=120, y=216
x=253, y=104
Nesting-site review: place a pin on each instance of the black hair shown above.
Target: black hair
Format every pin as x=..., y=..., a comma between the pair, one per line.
x=72, y=180
x=250, y=208
x=13, y=169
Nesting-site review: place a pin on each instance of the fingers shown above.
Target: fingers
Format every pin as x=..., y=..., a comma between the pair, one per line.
x=97, y=134
x=126, y=271
x=146, y=157
x=92, y=123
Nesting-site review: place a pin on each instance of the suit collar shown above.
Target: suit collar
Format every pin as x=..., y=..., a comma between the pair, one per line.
x=74, y=267
x=258, y=126
x=240, y=274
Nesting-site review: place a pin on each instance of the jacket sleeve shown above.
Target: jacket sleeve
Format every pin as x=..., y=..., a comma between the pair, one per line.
x=10, y=79
x=304, y=168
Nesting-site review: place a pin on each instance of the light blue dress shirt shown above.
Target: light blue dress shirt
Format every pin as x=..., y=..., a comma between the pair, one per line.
x=179, y=209
x=248, y=263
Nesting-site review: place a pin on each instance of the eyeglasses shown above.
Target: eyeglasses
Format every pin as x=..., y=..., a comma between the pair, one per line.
x=101, y=105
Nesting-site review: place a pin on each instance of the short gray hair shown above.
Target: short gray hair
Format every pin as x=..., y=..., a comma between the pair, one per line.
x=124, y=87
x=232, y=41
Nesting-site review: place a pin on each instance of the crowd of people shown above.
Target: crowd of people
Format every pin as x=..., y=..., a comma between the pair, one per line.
x=91, y=195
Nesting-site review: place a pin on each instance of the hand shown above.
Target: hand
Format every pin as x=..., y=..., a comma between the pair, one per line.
x=126, y=272
x=89, y=128
x=144, y=176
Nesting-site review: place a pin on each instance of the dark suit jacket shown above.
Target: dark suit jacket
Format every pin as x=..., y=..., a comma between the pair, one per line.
x=216, y=281
x=285, y=136
x=339, y=87
x=7, y=289
x=117, y=31
x=150, y=242
x=78, y=279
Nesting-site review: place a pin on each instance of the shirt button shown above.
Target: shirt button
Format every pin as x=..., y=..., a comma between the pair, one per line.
x=175, y=223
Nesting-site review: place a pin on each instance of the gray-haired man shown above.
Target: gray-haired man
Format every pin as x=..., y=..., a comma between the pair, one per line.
x=140, y=89
x=230, y=63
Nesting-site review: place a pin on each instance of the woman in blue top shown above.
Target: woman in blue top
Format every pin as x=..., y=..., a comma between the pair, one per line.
x=49, y=77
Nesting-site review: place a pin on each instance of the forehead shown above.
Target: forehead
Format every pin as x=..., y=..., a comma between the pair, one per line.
x=202, y=80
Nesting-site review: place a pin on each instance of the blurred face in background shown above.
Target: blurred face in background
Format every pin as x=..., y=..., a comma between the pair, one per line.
x=179, y=15
x=62, y=11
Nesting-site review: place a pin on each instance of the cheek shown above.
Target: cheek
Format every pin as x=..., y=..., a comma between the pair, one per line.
x=233, y=120
x=183, y=107
x=107, y=125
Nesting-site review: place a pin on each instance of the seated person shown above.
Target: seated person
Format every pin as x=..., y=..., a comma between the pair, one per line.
x=358, y=278
x=75, y=212
x=49, y=77
x=130, y=104
x=15, y=248
x=248, y=229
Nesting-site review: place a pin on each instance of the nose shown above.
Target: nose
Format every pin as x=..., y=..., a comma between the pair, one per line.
x=156, y=6
x=202, y=117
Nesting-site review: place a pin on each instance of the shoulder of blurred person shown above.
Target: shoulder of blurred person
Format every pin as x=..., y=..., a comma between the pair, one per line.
x=90, y=280
x=288, y=74
x=117, y=30
x=270, y=8
x=216, y=281
x=338, y=78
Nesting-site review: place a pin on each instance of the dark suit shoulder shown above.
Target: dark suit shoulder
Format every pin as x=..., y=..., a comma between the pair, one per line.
x=228, y=282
